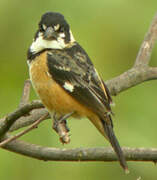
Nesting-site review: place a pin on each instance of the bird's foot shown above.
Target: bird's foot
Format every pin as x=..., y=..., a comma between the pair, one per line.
x=61, y=128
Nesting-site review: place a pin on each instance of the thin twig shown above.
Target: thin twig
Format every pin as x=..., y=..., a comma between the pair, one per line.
x=34, y=125
x=146, y=48
x=26, y=93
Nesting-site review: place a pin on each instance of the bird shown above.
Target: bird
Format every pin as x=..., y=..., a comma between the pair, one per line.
x=66, y=80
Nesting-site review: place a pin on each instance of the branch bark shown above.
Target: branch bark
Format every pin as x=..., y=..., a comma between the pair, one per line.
x=79, y=154
x=131, y=78
x=24, y=121
x=7, y=122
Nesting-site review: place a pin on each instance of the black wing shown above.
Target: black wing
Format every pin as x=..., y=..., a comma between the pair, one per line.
x=74, y=66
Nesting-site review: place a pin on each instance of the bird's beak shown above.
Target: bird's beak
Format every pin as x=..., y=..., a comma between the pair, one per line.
x=50, y=34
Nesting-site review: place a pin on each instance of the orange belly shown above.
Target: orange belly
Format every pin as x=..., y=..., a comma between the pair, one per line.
x=52, y=95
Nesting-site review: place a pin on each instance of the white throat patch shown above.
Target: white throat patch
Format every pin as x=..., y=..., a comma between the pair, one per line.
x=40, y=44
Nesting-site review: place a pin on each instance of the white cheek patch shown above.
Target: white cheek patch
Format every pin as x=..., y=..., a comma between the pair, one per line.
x=68, y=86
x=39, y=44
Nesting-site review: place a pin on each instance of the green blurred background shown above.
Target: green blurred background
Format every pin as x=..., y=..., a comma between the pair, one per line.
x=111, y=31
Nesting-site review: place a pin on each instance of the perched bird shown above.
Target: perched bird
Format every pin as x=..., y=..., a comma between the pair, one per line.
x=66, y=81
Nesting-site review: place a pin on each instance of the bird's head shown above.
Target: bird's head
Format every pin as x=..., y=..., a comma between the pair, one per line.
x=53, y=33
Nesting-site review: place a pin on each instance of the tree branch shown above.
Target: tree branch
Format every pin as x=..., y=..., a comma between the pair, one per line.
x=79, y=154
x=12, y=117
x=130, y=78
x=24, y=121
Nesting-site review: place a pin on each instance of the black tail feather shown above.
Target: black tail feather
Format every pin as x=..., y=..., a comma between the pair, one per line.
x=115, y=144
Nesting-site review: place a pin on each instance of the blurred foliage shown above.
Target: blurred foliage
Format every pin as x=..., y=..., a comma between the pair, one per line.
x=111, y=32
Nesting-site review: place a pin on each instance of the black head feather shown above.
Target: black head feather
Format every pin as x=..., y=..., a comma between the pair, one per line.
x=51, y=19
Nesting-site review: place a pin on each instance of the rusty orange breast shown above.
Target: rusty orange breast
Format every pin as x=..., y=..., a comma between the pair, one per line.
x=54, y=97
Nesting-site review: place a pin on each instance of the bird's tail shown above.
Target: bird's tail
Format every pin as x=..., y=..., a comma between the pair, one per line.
x=106, y=129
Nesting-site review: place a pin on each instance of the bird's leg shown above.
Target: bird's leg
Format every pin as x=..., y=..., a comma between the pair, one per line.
x=60, y=126
x=61, y=120
x=55, y=122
